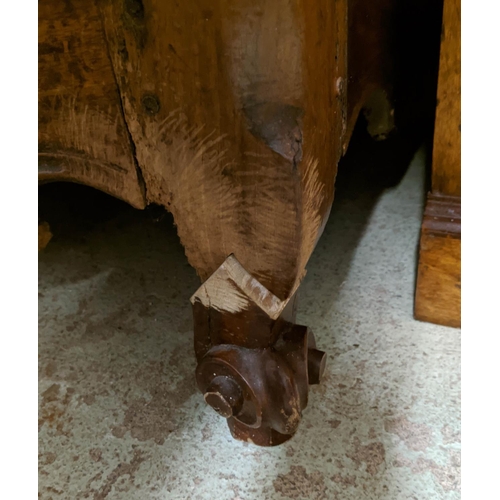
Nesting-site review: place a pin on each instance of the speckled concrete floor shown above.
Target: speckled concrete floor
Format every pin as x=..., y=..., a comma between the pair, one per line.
x=119, y=414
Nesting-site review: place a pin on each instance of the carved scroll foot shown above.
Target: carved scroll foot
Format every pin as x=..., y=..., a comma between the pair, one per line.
x=254, y=363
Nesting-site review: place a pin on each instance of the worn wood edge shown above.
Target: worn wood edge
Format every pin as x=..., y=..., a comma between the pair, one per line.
x=442, y=215
x=441, y=224
x=232, y=289
x=104, y=176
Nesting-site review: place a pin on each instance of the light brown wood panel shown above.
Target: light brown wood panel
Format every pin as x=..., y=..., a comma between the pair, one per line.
x=82, y=133
x=446, y=168
x=438, y=295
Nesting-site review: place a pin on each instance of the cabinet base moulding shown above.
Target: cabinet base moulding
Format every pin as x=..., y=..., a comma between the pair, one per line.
x=438, y=293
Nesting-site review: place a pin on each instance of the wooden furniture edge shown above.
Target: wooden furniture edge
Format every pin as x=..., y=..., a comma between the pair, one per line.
x=438, y=287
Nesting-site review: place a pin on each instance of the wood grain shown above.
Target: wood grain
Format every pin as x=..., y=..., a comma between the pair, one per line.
x=231, y=115
x=438, y=295
x=446, y=168
x=82, y=134
x=237, y=123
